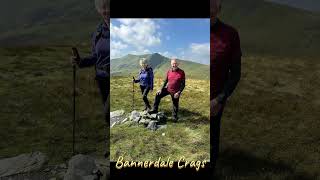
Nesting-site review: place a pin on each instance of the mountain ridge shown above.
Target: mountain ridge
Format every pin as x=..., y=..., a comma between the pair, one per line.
x=129, y=65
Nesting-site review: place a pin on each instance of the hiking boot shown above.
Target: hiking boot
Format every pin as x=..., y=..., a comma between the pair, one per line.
x=147, y=109
x=175, y=119
x=153, y=111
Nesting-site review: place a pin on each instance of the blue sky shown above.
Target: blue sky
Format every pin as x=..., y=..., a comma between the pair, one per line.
x=187, y=39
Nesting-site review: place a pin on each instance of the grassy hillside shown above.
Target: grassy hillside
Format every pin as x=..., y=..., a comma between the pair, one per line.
x=271, y=29
x=270, y=127
x=129, y=65
x=38, y=22
x=309, y=5
x=36, y=104
x=266, y=28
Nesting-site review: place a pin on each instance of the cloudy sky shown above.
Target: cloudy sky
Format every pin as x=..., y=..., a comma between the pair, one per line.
x=187, y=39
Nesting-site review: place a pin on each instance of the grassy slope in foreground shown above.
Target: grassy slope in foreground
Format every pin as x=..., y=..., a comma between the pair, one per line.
x=189, y=137
x=36, y=104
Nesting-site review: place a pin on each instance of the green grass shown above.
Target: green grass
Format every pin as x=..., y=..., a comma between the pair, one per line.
x=270, y=127
x=36, y=104
x=268, y=28
x=189, y=137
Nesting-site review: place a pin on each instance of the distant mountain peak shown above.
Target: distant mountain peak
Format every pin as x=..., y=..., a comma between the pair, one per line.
x=153, y=55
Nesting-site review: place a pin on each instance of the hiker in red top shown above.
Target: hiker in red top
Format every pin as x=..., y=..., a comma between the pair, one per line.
x=225, y=71
x=174, y=84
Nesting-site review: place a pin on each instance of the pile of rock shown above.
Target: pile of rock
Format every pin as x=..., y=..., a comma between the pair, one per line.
x=35, y=166
x=22, y=164
x=150, y=121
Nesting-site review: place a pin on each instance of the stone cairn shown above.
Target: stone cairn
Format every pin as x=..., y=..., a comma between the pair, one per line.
x=150, y=121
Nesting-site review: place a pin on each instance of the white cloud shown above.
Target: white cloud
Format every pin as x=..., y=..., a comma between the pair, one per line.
x=139, y=33
x=133, y=36
x=140, y=52
x=197, y=52
x=116, y=48
x=118, y=45
x=200, y=49
x=168, y=54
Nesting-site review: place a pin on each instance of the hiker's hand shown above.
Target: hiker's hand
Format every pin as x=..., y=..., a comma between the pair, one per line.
x=159, y=92
x=75, y=60
x=176, y=95
x=215, y=107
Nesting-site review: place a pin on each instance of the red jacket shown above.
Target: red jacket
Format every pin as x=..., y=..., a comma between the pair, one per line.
x=224, y=51
x=175, y=80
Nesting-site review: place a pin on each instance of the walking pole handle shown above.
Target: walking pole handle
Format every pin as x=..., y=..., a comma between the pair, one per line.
x=75, y=52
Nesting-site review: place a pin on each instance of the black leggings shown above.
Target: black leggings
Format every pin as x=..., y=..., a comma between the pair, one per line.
x=215, y=125
x=104, y=86
x=144, y=91
x=175, y=102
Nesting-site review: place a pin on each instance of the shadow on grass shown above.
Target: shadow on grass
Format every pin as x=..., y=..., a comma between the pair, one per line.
x=187, y=116
x=238, y=164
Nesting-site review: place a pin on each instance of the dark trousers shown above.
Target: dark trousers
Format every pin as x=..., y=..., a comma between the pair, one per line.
x=103, y=85
x=175, y=102
x=144, y=91
x=215, y=124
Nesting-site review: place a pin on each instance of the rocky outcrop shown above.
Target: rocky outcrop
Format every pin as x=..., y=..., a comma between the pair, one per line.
x=150, y=121
x=82, y=167
x=34, y=166
x=23, y=163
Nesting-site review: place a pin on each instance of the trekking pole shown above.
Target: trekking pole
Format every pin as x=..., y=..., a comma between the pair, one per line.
x=74, y=109
x=76, y=54
x=133, y=93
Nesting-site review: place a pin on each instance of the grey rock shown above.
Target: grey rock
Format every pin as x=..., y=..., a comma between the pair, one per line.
x=134, y=115
x=22, y=164
x=53, y=171
x=144, y=113
x=46, y=170
x=116, y=116
x=153, y=116
x=115, y=123
x=151, y=121
x=81, y=167
x=117, y=113
x=161, y=127
x=63, y=166
x=144, y=121
x=61, y=175
x=104, y=167
x=152, y=125
x=125, y=120
x=137, y=119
